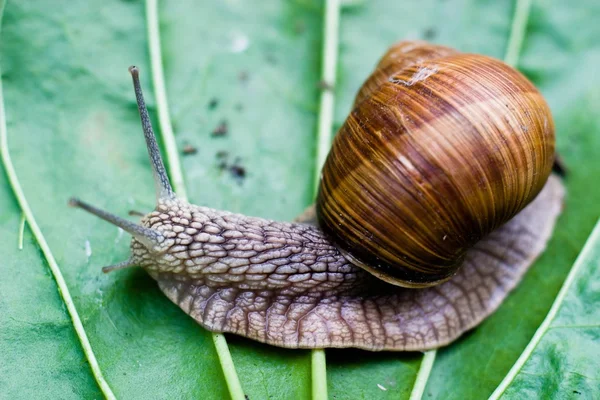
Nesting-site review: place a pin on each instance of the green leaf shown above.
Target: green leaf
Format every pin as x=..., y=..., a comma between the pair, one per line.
x=38, y=345
x=562, y=358
x=74, y=130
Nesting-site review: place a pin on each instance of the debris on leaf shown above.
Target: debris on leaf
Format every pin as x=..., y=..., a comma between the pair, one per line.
x=88, y=249
x=237, y=171
x=429, y=33
x=235, y=168
x=188, y=149
x=243, y=76
x=213, y=103
x=221, y=129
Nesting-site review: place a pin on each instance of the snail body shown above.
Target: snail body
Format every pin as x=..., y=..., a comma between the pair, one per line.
x=434, y=169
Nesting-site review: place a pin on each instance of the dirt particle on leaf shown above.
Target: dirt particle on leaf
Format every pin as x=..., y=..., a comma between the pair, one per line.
x=237, y=171
x=88, y=249
x=189, y=150
x=430, y=33
x=213, y=103
x=243, y=76
x=221, y=130
x=235, y=168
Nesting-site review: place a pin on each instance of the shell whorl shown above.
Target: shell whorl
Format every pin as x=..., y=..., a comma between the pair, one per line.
x=447, y=149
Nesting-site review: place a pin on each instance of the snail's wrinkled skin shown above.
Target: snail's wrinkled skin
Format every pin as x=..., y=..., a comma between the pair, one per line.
x=285, y=284
x=289, y=285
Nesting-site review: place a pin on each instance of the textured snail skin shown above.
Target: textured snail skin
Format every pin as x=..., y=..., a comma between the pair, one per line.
x=441, y=153
x=285, y=284
x=288, y=284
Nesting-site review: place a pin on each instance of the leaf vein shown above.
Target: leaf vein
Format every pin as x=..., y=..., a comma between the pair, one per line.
x=63, y=289
x=166, y=129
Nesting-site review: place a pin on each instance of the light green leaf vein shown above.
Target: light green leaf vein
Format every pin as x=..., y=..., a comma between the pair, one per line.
x=164, y=118
x=328, y=72
x=423, y=375
x=166, y=130
x=63, y=289
x=517, y=32
x=589, y=248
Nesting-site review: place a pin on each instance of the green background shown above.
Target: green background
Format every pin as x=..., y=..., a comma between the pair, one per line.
x=74, y=130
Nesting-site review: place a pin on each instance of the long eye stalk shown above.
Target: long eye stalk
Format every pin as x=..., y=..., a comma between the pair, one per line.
x=161, y=179
x=148, y=237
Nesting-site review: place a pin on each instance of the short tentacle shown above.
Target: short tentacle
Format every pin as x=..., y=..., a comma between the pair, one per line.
x=135, y=213
x=148, y=237
x=122, y=265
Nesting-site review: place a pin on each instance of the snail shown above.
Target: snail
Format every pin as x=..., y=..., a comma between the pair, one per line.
x=435, y=199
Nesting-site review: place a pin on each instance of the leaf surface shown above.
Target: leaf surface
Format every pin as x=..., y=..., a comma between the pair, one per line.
x=561, y=360
x=254, y=68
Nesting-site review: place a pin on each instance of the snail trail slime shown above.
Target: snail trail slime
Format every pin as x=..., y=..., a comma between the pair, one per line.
x=436, y=198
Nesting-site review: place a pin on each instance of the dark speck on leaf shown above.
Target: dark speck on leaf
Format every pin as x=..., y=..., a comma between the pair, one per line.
x=213, y=103
x=221, y=129
x=429, y=34
x=188, y=149
x=576, y=392
x=239, y=107
x=237, y=171
x=243, y=76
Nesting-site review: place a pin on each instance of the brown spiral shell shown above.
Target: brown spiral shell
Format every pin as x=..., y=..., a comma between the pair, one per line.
x=441, y=149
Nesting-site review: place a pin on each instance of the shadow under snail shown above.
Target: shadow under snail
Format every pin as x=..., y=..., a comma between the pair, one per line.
x=435, y=199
